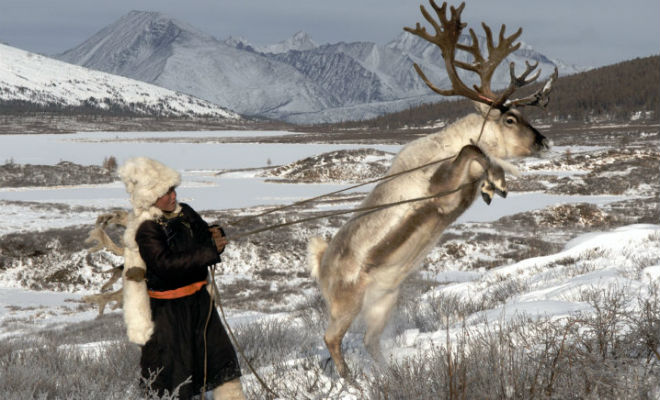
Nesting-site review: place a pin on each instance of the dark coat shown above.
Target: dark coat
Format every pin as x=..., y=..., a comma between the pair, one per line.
x=177, y=252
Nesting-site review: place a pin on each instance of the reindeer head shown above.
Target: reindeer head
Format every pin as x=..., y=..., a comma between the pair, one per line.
x=505, y=132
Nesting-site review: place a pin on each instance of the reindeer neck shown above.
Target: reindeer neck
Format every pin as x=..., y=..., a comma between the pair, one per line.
x=461, y=133
x=443, y=144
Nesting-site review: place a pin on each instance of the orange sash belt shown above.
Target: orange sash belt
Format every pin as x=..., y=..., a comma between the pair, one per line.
x=177, y=293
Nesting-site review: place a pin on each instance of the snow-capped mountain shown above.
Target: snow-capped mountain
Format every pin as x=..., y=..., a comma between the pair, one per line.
x=294, y=80
x=300, y=41
x=160, y=50
x=32, y=78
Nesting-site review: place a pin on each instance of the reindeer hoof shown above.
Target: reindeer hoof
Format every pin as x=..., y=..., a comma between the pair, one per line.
x=326, y=366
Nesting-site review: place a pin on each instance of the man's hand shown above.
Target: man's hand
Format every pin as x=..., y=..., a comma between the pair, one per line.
x=218, y=238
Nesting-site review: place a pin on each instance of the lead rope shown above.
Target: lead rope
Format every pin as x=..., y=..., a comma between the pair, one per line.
x=215, y=290
x=206, y=326
x=308, y=200
x=297, y=203
x=352, y=210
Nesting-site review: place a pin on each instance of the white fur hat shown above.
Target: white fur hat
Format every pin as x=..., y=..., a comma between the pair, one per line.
x=146, y=180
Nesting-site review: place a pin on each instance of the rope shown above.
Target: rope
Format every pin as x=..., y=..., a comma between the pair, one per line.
x=382, y=178
x=206, y=327
x=352, y=210
x=308, y=200
x=366, y=210
x=216, y=293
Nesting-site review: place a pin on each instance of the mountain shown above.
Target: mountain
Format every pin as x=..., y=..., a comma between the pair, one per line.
x=295, y=80
x=41, y=82
x=157, y=49
x=300, y=41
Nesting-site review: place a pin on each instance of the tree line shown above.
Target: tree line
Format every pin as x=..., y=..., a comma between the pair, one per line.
x=614, y=93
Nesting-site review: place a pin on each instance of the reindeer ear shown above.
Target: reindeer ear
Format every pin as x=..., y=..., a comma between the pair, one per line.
x=486, y=110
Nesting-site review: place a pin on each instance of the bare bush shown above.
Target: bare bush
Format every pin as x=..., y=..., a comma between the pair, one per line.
x=110, y=163
x=610, y=354
x=51, y=367
x=272, y=341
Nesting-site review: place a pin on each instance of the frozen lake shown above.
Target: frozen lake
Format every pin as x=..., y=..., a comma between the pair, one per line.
x=199, y=163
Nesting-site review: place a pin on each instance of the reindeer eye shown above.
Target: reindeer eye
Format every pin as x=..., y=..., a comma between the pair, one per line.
x=510, y=120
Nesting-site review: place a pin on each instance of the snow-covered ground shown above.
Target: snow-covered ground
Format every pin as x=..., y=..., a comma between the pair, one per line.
x=553, y=289
x=623, y=256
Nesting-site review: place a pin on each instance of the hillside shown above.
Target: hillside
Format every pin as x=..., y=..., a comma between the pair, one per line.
x=619, y=92
x=32, y=83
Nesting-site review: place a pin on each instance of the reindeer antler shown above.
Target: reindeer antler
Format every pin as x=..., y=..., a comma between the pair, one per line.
x=102, y=240
x=540, y=98
x=103, y=298
x=447, y=34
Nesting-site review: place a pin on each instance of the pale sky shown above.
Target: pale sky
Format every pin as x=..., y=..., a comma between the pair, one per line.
x=581, y=32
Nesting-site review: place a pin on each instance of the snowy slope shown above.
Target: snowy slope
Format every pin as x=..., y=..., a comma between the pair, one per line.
x=295, y=80
x=300, y=41
x=33, y=78
x=155, y=48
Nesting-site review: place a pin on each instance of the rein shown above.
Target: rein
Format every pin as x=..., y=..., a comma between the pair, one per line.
x=215, y=293
x=348, y=211
x=308, y=200
x=366, y=210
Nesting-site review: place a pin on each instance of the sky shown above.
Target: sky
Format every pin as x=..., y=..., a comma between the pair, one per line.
x=581, y=32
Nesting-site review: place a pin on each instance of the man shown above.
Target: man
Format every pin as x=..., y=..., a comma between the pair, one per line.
x=167, y=307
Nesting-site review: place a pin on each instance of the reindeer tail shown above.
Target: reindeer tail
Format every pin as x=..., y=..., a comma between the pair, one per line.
x=315, y=250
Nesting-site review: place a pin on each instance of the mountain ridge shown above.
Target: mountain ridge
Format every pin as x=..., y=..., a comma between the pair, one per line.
x=289, y=81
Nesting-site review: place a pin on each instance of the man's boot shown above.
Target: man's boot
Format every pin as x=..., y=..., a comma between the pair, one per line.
x=231, y=390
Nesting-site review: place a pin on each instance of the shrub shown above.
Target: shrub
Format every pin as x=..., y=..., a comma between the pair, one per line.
x=110, y=163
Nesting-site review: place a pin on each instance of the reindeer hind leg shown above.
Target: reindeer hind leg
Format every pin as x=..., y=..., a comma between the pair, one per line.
x=376, y=311
x=343, y=309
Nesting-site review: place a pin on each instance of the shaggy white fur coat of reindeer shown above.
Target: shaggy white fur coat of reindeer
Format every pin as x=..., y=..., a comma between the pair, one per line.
x=359, y=271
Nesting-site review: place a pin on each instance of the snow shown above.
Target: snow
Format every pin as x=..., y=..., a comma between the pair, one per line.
x=23, y=310
x=551, y=293
x=26, y=76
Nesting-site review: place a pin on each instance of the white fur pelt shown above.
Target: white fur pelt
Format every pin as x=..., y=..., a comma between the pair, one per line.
x=146, y=180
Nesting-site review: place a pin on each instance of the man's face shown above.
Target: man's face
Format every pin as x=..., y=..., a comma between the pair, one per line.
x=167, y=202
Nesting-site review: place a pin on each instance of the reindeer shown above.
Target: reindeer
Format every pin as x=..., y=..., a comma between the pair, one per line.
x=360, y=270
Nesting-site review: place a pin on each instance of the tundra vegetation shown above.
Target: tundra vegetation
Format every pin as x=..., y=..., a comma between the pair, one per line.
x=575, y=357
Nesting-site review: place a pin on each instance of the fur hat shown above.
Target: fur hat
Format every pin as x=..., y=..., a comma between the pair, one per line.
x=146, y=180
